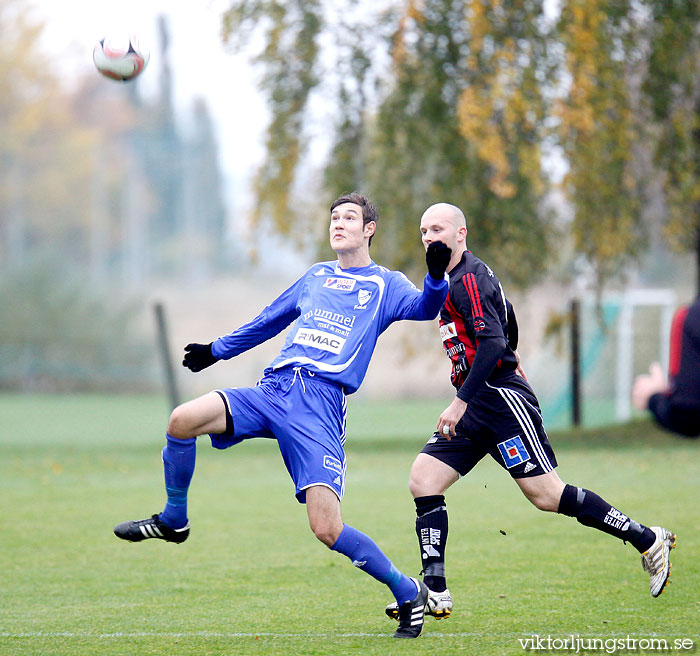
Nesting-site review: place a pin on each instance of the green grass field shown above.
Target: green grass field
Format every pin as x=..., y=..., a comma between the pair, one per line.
x=252, y=579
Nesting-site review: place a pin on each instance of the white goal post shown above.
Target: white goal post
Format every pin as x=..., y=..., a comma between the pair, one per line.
x=665, y=299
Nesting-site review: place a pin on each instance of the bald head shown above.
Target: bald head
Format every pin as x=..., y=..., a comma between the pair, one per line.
x=446, y=211
x=446, y=223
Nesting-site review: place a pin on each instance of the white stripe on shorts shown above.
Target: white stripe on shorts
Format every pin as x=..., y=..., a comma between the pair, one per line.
x=516, y=403
x=344, y=411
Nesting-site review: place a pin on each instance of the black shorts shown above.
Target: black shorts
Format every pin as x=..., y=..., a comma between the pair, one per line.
x=503, y=420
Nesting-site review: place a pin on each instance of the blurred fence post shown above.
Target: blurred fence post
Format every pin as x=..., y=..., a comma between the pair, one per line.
x=575, y=320
x=163, y=343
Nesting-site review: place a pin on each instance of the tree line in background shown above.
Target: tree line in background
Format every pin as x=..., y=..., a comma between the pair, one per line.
x=470, y=102
x=494, y=105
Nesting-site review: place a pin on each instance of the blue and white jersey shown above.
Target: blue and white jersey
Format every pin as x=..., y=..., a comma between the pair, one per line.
x=338, y=316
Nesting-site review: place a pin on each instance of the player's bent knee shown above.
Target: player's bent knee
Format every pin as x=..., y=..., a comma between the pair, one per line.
x=430, y=476
x=418, y=487
x=419, y=479
x=544, y=491
x=543, y=500
x=326, y=533
x=545, y=504
x=179, y=425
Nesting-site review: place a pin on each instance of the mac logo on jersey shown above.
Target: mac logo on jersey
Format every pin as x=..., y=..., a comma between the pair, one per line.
x=320, y=340
x=341, y=284
x=448, y=331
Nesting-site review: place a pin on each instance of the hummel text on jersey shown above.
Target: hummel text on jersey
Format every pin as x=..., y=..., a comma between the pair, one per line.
x=319, y=340
x=330, y=317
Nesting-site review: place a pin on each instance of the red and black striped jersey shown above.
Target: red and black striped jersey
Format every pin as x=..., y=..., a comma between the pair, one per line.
x=684, y=361
x=476, y=309
x=678, y=407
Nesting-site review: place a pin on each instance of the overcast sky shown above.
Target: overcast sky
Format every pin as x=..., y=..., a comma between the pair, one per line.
x=201, y=67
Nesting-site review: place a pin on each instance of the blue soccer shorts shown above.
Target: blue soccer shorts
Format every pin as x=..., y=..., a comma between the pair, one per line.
x=502, y=420
x=305, y=414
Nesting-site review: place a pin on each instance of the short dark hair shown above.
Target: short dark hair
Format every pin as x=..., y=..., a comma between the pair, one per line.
x=369, y=211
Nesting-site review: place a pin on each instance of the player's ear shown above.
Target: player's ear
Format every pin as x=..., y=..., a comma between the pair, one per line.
x=370, y=228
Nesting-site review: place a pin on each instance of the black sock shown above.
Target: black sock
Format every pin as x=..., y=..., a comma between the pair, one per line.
x=590, y=510
x=431, y=529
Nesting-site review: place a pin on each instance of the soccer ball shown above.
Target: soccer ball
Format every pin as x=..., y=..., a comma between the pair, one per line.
x=120, y=58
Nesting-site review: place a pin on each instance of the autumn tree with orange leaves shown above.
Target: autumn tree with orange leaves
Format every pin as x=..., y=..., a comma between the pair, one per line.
x=464, y=100
x=424, y=101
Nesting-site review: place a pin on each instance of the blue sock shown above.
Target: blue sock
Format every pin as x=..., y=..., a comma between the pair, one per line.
x=178, y=466
x=365, y=554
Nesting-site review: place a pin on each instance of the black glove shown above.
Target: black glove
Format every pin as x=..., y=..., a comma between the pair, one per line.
x=198, y=357
x=437, y=257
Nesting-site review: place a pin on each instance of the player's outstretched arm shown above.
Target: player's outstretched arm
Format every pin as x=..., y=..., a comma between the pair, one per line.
x=405, y=301
x=270, y=322
x=198, y=357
